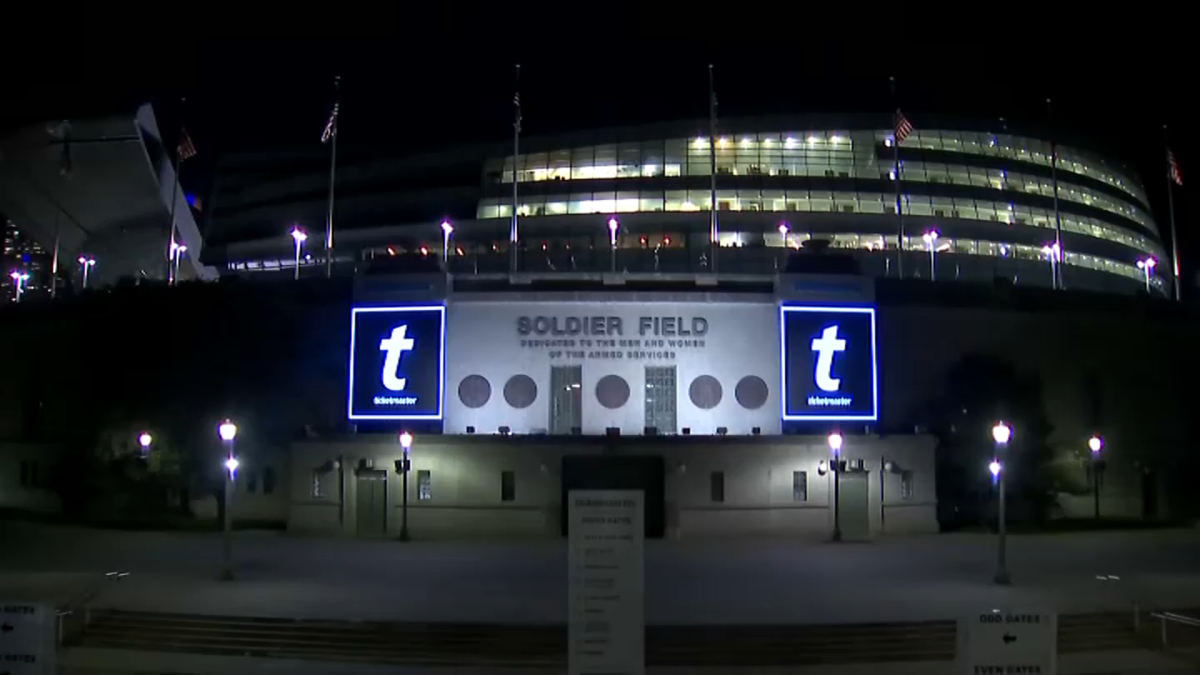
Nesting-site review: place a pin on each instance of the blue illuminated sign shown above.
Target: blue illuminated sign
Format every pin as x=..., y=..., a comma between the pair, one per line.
x=397, y=363
x=829, y=365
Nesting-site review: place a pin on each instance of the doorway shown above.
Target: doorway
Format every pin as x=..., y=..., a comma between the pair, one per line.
x=852, y=505
x=371, y=502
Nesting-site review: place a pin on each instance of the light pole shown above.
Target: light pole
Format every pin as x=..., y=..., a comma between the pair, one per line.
x=1147, y=266
x=613, y=226
x=406, y=441
x=87, y=262
x=177, y=251
x=1001, y=433
x=931, y=238
x=19, y=279
x=144, y=440
x=447, y=230
x=298, y=237
x=1095, y=443
x=228, y=431
x=835, y=464
x=1053, y=253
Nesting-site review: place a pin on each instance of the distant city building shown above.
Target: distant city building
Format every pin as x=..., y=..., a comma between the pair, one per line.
x=23, y=254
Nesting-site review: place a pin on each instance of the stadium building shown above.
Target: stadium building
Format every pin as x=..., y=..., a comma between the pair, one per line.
x=619, y=344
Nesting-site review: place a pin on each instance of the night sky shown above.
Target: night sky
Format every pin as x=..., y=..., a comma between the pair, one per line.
x=1115, y=85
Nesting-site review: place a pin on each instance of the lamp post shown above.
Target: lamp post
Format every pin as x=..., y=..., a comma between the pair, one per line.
x=835, y=464
x=298, y=238
x=19, y=279
x=406, y=441
x=613, y=226
x=177, y=251
x=1147, y=266
x=1053, y=253
x=87, y=262
x=1001, y=433
x=228, y=431
x=447, y=230
x=144, y=440
x=1095, y=444
x=931, y=238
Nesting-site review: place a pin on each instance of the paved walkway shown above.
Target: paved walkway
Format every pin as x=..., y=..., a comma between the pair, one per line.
x=727, y=581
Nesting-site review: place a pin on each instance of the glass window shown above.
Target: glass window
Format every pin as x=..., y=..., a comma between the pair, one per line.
x=424, y=485
x=675, y=199
x=582, y=163
x=906, y=485
x=566, y=401
x=508, y=486
x=650, y=201
x=799, y=486
x=318, y=488
x=716, y=486
x=660, y=398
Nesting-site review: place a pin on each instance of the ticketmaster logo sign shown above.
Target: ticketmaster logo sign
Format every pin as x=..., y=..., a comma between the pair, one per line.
x=397, y=362
x=829, y=367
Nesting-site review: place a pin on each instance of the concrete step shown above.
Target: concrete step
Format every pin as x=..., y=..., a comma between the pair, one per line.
x=540, y=645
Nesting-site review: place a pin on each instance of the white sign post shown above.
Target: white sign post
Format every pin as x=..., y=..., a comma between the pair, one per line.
x=998, y=642
x=26, y=639
x=605, y=582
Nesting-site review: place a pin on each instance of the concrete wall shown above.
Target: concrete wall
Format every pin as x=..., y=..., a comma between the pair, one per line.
x=465, y=472
x=26, y=471
x=259, y=505
x=741, y=340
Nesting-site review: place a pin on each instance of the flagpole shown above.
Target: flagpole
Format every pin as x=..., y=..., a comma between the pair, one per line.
x=512, y=230
x=175, y=198
x=1059, y=255
x=899, y=200
x=714, y=231
x=337, y=79
x=1171, y=217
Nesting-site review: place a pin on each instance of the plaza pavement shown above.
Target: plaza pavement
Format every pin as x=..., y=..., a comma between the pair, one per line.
x=728, y=581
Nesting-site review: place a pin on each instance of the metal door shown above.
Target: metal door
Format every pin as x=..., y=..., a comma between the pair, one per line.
x=852, y=505
x=371, y=503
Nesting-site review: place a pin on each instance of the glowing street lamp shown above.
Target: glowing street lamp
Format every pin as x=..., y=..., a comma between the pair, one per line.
x=177, y=251
x=1095, y=444
x=228, y=431
x=1054, y=254
x=87, y=262
x=931, y=238
x=1147, y=266
x=835, y=448
x=613, y=226
x=144, y=440
x=19, y=279
x=299, y=236
x=403, y=466
x=1001, y=433
x=447, y=230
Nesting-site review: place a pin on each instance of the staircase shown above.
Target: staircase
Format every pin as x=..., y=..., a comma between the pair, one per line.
x=541, y=645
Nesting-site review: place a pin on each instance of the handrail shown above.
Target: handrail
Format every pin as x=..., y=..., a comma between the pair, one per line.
x=82, y=604
x=1164, y=617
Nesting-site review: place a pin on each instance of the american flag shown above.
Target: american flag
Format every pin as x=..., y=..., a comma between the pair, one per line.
x=517, y=103
x=330, y=126
x=1173, y=168
x=903, y=127
x=186, y=149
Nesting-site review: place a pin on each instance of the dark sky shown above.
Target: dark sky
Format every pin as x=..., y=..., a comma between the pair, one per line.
x=1115, y=80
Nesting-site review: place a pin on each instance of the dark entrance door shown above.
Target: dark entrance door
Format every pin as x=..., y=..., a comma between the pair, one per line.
x=606, y=472
x=371, y=504
x=852, y=504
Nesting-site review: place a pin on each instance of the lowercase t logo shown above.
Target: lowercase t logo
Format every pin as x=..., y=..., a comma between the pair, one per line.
x=394, y=347
x=825, y=346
